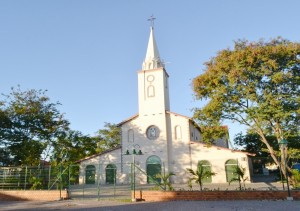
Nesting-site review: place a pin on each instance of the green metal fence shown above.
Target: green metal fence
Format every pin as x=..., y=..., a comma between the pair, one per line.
x=35, y=177
x=96, y=180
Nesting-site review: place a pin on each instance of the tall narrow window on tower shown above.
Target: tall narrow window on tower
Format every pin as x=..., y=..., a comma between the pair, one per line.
x=151, y=91
x=150, y=88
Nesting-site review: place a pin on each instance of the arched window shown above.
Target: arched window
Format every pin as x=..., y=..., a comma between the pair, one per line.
x=151, y=91
x=206, y=169
x=153, y=166
x=130, y=136
x=110, y=173
x=230, y=168
x=90, y=172
x=177, y=132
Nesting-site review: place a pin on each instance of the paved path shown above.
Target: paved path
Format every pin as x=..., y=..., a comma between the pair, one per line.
x=162, y=206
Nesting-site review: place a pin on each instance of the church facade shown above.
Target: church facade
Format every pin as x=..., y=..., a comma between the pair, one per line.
x=157, y=140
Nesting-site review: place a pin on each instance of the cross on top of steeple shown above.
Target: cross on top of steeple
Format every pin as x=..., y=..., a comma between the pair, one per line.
x=152, y=60
x=151, y=19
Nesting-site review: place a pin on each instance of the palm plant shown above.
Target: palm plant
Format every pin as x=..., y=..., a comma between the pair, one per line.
x=165, y=180
x=199, y=175
x=240, y=173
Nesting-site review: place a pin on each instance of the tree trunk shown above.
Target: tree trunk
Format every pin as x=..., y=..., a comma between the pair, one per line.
x=271, y=150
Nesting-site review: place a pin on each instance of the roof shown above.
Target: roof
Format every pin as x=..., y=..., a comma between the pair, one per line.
x=136, y=115
x=186, y=117
x=98, y=154
x=127, y=120
x=176, y=114
x=168, y=112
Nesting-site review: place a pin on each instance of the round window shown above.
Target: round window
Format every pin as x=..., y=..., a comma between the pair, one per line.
x=152, y=132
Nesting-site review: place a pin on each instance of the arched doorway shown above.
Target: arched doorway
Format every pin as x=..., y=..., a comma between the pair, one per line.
x=230, y=167
x=110, y=173
x=153, y=168
x=90, y=172
x=206, y=168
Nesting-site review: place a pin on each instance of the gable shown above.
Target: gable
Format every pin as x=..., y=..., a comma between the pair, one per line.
x=106, y=152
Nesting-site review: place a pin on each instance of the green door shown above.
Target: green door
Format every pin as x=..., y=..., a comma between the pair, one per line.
x=230, y=167
x=153, y=168
x=110, y=172
x=90, y=172
x=206, y=168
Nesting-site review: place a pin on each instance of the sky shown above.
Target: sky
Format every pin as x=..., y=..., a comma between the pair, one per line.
x=86, y=53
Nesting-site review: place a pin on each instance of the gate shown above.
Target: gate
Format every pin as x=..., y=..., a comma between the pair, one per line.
x=101, y=182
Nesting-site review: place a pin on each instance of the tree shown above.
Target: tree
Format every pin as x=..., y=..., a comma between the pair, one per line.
x=74, y=146
x=29, y=122
x=199, y=175
x=256, y=84
x=5, y=158
x=109, y=137
x=251, y=143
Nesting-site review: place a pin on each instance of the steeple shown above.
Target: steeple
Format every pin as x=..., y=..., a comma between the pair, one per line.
x=153, y=82
x=152, y=60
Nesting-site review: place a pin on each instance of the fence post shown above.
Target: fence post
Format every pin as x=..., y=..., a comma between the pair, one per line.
x=115, y=174
x=25, y=178
x=69, y=175
x=60, y=180
x=49, y=177
x=2, y=180
x=98, y=181
x=84, y=180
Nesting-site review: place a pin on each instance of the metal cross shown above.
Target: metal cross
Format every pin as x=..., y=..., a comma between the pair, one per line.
x=151, y=19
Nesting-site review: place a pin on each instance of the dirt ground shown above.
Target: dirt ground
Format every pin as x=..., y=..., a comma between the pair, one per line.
x=90, y=205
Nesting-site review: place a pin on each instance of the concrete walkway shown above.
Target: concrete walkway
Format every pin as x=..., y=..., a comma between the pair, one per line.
x=164, y=206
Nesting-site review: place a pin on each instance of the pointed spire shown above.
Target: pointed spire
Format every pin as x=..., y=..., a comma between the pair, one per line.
x=152, y=60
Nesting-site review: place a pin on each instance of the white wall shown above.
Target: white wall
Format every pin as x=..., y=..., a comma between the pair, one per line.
x=100, y=162
x=217, y=156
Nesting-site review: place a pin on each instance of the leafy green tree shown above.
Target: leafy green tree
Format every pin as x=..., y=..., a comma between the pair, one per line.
x=73, y=145
x=251, y=143
x=241, y=177
x=199, y=175
x=5, y=158
x=256, y=84
x=296, y=178
x=109, y=137
x=29, y=123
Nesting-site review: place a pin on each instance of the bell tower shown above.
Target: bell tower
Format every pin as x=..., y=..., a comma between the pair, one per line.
x=153, y=85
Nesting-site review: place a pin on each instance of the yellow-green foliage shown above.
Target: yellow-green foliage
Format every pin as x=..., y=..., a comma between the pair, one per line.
x=296, y=178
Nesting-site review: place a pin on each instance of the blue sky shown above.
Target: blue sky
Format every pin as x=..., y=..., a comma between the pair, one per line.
x=86, y=53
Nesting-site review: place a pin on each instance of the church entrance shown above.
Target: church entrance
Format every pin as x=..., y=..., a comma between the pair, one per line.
x=110, y=173
x=153, y=168
x=90, y=172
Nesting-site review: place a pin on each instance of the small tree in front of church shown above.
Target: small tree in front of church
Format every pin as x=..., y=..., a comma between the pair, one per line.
x=165, y=181
x=199, y=175
x=240, y=177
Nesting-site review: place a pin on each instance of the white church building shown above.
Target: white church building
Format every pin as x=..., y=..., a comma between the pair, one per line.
x=163, y=141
